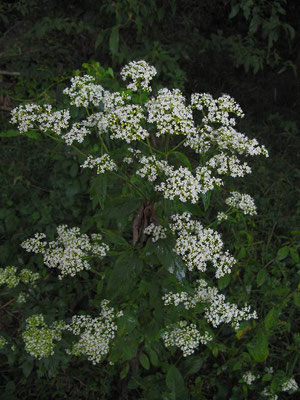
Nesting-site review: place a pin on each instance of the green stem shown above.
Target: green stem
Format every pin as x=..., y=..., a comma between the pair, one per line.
x=62, y=141
x=176, y=147
x=130, y=183
x=149, y=146
x=103, y=144
x=152, y=148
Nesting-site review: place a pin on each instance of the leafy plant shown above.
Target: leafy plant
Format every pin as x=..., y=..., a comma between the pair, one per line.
x=148, y=279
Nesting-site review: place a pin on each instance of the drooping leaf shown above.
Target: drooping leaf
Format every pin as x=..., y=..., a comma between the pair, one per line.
x=258, y=347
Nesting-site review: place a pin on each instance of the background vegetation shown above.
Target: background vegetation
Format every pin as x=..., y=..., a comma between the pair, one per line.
x=247, y=48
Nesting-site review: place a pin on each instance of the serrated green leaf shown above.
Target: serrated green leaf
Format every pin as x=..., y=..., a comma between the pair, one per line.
x=283, y=253
x=261, y=277
x=99, y=189
x=124, y=274
x=175, y=383
x=271, y=319
x=192, y=365
x=258, y=347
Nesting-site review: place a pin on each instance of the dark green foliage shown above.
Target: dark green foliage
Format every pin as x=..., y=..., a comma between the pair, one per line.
x=200, y=46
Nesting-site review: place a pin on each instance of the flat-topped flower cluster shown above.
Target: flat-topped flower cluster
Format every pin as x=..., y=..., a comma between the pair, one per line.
x=139, y=139
x=168, y=113
x=95, y=334
x=11, y=277
x=69, y=253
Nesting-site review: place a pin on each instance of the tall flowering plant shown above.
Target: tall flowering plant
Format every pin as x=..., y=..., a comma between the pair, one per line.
x=157, y=264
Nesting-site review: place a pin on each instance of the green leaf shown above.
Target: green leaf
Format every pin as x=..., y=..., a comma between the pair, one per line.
x=283, y=253
x=224, y=281
x=153, y=356
x=258, y=347
x=27, y=367
x=294, y=254
x=114, y=237
x=144, y=360
x=234, y=11
x=192, y=365
x=123, y=276
x=271, y=319
x=10, y=133
x=124, y=371
x=34, y=135
x=114, y=40
x=206, y=200
x=183, y=158
x=175, y=383
x=98, y=189
x=261, y=277
x=170, y=260
x=296, y=297
x=99, y=39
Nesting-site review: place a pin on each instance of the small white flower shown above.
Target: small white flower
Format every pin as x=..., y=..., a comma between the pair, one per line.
x=141, y=74
x=249, y=378
x=84, y=92
x=186, y=337
x=243, y=202
x=69, y=252
x=103, y=164
x=156, y=231
x=290, y=385
x=95, y=334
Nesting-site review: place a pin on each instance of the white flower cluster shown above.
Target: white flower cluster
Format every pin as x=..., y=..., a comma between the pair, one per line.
x=198, y=246
x=182, y=183
x=22, y=298
x=170, y=114
x=113, y=100
x=141, y=74
x=157, y=232
x=268, y=392
x=186, y=337
x=217, y=311
x=69, y=252
x=243, y=202
x=289, y=385
x=249, y=377
x=103, y=164
x=229, y=165
x=39, y=337
x=125, y=122
x=84, y=92
x=9, y=276
x=77, y=133
x=219, y=110
x=31, y=116
x=221, y=216
x=152, y=167
x=3, y=342
x=95, y=334
x=227, y=138
x=222, y=112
